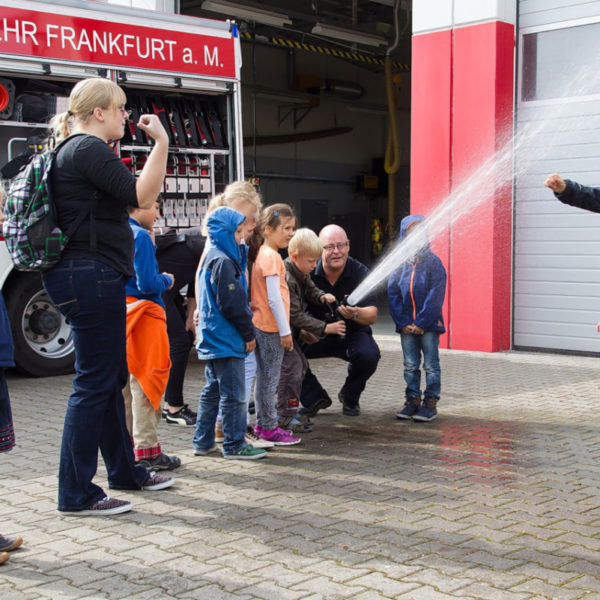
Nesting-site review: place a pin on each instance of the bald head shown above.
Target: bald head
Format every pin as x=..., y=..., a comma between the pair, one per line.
x=335, y=249
x=332, y=230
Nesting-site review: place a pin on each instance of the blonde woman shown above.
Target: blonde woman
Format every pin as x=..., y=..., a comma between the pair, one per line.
x=88, y=287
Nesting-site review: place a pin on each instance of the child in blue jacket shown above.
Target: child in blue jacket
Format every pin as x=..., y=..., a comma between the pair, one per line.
x=416, y=293
x=225, y=336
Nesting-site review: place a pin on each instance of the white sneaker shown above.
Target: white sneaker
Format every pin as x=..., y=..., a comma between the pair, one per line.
x=254, y=440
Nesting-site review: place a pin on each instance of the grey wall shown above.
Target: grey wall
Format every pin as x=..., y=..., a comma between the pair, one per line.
x=557, y=247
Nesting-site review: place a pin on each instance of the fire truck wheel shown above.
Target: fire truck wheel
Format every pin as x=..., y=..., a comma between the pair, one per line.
x=42, y=336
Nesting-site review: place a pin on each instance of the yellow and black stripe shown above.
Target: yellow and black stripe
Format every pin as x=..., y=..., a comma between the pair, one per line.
x=335, y=52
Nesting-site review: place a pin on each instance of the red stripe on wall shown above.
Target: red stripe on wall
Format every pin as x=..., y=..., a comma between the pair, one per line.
x=462, y=110
x=430, y=132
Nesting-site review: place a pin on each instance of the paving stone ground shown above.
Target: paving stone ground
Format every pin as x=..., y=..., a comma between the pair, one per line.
x=497, y=499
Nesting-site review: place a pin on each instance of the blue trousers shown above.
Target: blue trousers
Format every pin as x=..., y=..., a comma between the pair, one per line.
x=412, y=348
x=92, y=296
x=224, y=387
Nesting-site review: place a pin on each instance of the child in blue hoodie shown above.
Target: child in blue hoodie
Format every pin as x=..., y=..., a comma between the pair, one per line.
x=225, y=336
x=416, y=293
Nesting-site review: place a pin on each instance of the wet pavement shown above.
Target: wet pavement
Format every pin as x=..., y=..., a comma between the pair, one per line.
x=497, y=498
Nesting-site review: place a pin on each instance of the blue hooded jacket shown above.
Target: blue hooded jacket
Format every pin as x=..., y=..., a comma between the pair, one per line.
x=417, y=288
x=224, y=316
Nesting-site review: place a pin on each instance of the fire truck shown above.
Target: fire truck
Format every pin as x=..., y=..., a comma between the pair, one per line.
x=186, y=70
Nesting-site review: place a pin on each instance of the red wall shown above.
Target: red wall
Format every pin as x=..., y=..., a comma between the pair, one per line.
x=462, y=110
x=431, y=110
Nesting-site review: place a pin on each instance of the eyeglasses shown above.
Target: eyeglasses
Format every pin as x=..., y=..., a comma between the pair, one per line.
x=124, y=111
x=339, y=246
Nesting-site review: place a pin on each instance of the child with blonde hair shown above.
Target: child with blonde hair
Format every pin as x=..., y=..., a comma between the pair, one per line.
x=271, y=306
x=243, y=197
x=304, y=251
x=225, y=336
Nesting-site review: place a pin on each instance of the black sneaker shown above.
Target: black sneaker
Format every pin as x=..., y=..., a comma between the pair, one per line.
x=106, y=506
x=162, y=462
x=184, y=416
x=157, y=482
x=348, y=409
x=321, y=404
x=10, y=544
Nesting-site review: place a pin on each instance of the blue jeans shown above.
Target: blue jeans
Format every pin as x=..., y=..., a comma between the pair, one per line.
x=249, y=376
x=92, y=296
x=225, y=387
x=412, y=347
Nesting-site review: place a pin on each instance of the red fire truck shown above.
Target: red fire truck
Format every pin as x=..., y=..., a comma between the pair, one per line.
x=184, y=69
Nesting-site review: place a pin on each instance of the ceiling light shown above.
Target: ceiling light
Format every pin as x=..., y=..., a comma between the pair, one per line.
x=247, y=13
x=348, y=35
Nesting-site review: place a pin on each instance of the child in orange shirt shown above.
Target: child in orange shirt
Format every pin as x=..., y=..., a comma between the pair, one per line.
x=271, y=306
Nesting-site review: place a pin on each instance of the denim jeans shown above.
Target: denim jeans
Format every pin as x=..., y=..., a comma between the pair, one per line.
x=225, y=387
x=412, y=347
x=358, y=348
x=92, y=296
x=249, y=377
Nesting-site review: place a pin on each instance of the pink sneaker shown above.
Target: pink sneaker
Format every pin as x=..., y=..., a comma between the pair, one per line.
x=280, y=437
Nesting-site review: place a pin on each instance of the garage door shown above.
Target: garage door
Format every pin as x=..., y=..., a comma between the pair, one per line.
x=557, y=248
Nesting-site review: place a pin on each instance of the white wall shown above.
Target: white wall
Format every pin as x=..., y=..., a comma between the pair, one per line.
x=557, y=247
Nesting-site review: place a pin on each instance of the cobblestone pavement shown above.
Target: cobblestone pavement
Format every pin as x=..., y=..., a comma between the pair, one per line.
x=497, y=499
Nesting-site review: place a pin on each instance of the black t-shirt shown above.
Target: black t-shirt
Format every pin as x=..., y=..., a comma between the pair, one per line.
x=86, y=166
x=353, y=274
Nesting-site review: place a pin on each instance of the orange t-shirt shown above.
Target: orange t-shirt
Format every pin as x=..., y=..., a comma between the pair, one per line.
x=268, y=262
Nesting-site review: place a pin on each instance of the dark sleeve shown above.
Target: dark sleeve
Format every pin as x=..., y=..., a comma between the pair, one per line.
x=581, y=196
x=99, y=165
x=299, y=319
x=313, y=293
x=232, y=299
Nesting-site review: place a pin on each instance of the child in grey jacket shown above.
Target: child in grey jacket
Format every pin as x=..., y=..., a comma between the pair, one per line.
x=304, y=251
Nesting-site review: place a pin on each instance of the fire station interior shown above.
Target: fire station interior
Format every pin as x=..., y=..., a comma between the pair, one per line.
x=316, y=115
x=319, y=105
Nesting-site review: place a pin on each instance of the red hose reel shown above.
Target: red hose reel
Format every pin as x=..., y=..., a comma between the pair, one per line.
x=7, y=98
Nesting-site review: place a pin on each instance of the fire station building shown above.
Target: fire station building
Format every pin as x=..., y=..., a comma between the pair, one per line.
x=524, y=269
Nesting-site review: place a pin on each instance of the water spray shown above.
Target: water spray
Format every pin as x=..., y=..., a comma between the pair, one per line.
x=495, y=172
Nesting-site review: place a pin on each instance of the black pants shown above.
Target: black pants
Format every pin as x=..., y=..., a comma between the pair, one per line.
x=181, y=260
x=359, y=349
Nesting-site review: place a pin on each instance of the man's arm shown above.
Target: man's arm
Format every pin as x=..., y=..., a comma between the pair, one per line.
x=573, y=193
x=363, y=315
